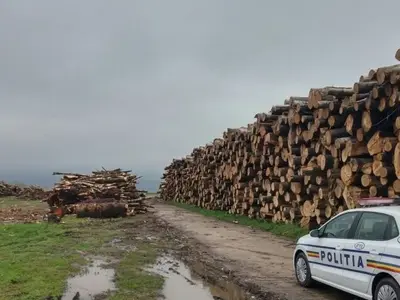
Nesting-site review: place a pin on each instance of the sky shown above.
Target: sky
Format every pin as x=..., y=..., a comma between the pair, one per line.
x=134, y=84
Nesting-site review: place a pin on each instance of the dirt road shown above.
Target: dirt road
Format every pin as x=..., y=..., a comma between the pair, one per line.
x=257, y=258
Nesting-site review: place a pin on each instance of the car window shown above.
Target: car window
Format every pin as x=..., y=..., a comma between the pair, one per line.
x=372, y=226
x=394, y=230
x=340, y=226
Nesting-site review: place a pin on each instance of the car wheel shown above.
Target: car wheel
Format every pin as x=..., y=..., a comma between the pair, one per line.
x=303, y=272
x=387, y=289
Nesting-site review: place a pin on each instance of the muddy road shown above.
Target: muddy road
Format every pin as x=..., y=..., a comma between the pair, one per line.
x=173, y=253
x=257, y=261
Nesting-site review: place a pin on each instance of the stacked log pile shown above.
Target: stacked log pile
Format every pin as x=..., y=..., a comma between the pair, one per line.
x=29, y=192
x=305, y=160
x=105, y=193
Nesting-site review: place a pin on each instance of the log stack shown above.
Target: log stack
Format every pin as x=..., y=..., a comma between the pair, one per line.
x=105, y=193
x=304, y=161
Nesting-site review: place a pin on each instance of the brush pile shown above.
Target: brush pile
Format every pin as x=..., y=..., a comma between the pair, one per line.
x=304, y=161
x=102, y=194
x=29, y=192
x=33, y=192
x=9, y=190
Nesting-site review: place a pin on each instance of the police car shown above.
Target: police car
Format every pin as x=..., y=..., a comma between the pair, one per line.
x=357, y=251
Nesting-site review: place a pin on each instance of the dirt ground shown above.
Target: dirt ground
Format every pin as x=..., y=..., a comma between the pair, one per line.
x=236, y=262
x=21, y=211
x=257, y=261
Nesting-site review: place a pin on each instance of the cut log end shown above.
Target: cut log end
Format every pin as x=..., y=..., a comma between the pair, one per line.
x=397, y=55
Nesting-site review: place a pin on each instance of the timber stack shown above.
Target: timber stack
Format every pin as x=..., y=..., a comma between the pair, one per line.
x=304, y=161
x=102, y=193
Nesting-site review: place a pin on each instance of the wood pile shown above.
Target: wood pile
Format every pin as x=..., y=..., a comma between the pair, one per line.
x=33, y=192
x=304, y=161
x=8, y=190
x=29, y=192
x=105, y=193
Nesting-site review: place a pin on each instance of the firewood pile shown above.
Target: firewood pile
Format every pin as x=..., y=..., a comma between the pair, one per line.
x=101, y=194
x=29, y=192
x=304, y=161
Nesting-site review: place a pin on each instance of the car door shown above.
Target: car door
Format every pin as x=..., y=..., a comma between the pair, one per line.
x=332, y=238
x=362, y=249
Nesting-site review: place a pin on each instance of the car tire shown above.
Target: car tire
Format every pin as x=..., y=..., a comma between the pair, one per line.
x=386, y=286
x=302, y=271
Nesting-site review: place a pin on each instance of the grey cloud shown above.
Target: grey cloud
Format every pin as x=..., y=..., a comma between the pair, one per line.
x=137, y=83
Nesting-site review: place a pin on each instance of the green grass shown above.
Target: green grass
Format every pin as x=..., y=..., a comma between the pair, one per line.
x=37, y=259
x=291, y=231
x=133, y=282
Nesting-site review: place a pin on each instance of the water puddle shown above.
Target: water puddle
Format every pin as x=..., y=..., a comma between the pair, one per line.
x=181, y=284
x=95, y=281
x=118, y=243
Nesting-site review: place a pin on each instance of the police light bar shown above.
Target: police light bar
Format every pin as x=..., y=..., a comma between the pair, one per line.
x=376, y=201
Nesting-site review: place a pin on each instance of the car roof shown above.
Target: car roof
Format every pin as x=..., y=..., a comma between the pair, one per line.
x=393, y=210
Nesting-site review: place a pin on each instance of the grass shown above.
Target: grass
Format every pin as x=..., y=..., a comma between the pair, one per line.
x=132, y=281
x=37, y=259
x=291, y=231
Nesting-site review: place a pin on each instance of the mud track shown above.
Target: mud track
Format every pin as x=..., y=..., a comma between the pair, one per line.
x=257, y=261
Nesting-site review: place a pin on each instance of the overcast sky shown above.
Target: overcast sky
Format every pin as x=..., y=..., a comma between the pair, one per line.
x=134, y=84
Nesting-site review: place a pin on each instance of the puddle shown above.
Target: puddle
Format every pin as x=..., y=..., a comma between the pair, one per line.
x=118, y=243
x=96, y=280
x=181, y=284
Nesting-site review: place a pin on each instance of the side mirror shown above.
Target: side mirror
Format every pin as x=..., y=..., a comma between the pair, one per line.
x=314, y=233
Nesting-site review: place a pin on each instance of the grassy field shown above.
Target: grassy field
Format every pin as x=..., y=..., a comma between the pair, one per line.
x=37, y=259
x=291, y=231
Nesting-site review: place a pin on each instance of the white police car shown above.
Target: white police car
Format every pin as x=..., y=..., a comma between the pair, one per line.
x=357, y=251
